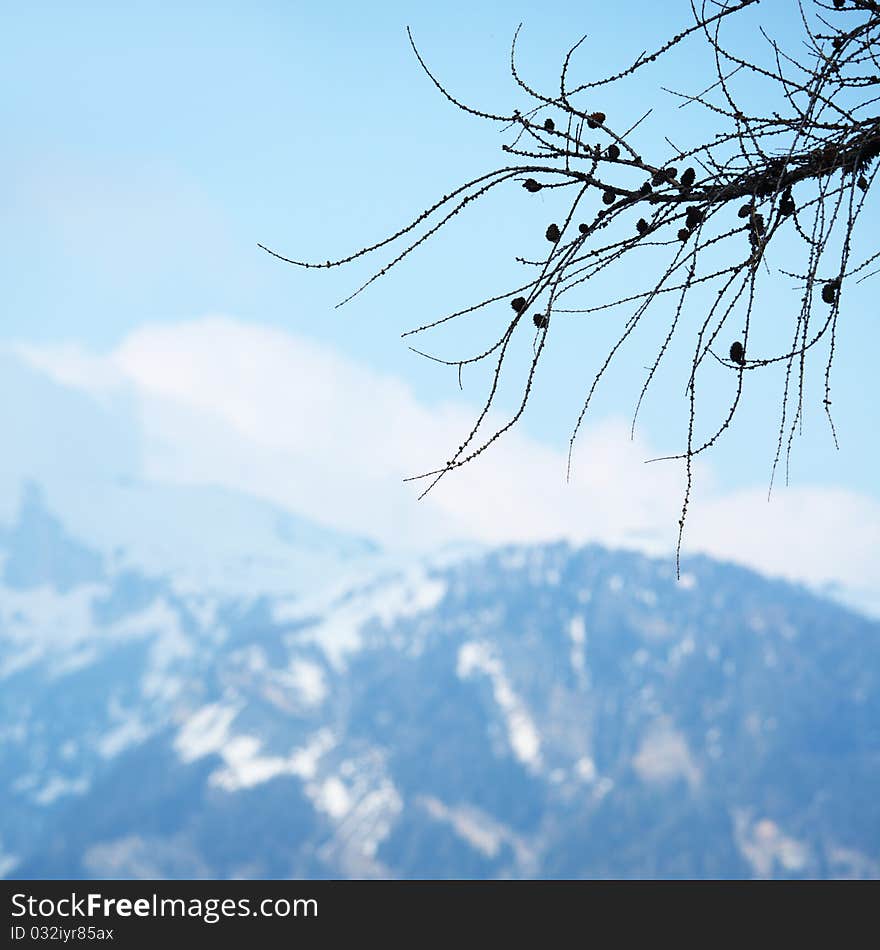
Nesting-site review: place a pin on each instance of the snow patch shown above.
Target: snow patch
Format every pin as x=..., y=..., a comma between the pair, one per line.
x=45, y=624
x=475, y=827
x=339, y=633
x=479, y=657
x=125, y=734
x=663, y=756
x=244, y=767
x=59, y=629
x=763, y=844
x=57, y=787
x=206, y=731
x=332, y=796
x=8, y=862
x=161, y=622
x=577, y=633
x=363, y=804
x=307, y=679
x=586, y=769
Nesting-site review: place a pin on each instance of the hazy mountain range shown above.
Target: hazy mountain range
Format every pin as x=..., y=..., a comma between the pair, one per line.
x=195, y=683
x=541, y=711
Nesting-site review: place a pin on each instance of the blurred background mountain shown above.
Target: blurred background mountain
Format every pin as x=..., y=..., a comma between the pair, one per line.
x=198, y=684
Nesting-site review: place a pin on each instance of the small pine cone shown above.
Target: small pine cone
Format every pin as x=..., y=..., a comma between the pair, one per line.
x=684, y=234
x=613, y=152
x=744, y=211
x=642, y=226
x=531, y=185
x=583, y=228
x=689, y=176
x=829, y=291
x=609, y=197
x=862, y=183
x=541, y=320
x=645, y=189
x=737, y=353
x=694, y=217
x=552, y=233
x=549, y=125
x=596, y=119
x=518, y=304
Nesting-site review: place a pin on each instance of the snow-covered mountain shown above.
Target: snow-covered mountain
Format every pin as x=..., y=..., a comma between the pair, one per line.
x=195, y=682
x=81, y=453
x=542, y=711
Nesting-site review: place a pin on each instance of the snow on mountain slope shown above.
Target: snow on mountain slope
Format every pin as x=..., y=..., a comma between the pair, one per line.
x=538, y=711
x=194, y=682
x=77, y=455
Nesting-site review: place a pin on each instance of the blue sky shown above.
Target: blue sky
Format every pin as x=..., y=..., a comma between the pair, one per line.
x=153, y=145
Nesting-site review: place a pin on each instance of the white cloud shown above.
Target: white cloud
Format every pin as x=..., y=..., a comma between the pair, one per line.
x=296, y=423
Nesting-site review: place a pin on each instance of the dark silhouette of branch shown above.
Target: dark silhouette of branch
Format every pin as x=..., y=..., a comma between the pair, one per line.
x=789, y=169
